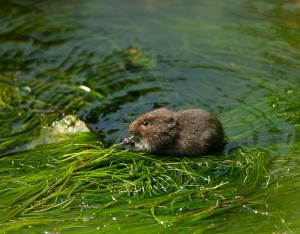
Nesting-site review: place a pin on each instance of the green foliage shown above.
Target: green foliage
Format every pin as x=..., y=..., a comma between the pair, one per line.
x=90, y=182
x=239, y=59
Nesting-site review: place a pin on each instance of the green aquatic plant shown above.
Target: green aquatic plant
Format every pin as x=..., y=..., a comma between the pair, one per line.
x=31, y=104
x=79, y=176
x=60, y=59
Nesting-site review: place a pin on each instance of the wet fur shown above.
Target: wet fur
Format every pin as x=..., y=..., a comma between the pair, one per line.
x=187, y=132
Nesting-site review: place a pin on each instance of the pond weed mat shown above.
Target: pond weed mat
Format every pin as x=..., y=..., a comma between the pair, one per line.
x=77, y=184
x=72, y=183
x=239, y=60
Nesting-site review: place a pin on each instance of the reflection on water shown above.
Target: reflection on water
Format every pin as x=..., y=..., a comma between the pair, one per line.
x=109, y=61
x=178, y=60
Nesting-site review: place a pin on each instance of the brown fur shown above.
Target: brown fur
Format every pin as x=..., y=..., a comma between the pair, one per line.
x=187, y=132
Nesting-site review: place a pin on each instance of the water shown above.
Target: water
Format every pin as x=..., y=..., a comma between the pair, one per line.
x=239, y=59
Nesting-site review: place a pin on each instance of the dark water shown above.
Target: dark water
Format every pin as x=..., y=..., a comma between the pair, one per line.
x=239, y=59
x=222, y=56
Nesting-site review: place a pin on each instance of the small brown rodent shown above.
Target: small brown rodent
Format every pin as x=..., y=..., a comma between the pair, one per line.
x=188, y=132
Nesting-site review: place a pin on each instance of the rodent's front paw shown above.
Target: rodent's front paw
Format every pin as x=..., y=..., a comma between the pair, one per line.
x=128, y=141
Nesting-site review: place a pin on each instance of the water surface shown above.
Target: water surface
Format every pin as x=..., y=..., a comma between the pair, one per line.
x=239, y=59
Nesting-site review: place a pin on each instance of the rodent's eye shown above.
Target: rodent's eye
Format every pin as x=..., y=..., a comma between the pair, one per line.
x=146, y=122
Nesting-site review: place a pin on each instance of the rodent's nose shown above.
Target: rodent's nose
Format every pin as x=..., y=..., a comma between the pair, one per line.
x=133, y=128
x=133, y=131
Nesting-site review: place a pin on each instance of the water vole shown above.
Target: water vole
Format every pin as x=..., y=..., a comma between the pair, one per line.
x=187, y=132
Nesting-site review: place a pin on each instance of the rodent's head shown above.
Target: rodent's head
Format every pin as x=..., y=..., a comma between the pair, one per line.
x=157, y=128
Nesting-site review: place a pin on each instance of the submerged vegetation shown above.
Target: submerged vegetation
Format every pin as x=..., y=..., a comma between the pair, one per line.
x=96, y=186
x=58, y=66
x=75, y=183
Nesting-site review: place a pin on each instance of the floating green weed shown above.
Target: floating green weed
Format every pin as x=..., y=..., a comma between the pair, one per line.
x=72, y=58
x=87, y=180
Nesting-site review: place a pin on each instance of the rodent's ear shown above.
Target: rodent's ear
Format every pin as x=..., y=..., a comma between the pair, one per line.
x=171, y=122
